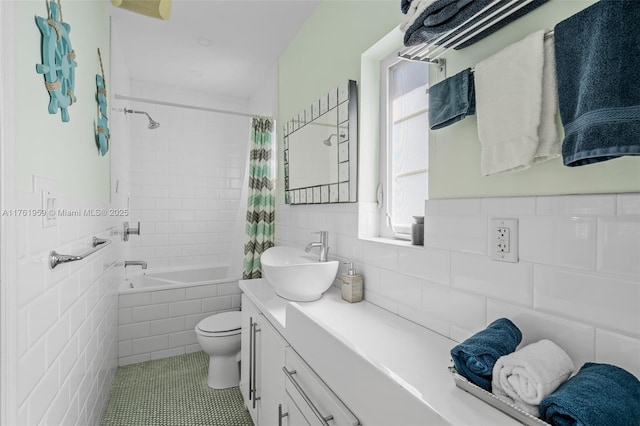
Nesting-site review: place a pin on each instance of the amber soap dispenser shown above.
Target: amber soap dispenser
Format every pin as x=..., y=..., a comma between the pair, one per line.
x=352, y=285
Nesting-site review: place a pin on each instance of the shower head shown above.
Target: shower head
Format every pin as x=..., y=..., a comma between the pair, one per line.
x=327, y=141
x=152, y=123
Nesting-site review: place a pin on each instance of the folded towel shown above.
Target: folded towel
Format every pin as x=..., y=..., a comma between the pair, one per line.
x=451, y=100
x=597, y=65
x=475, y=357
x=405, y=5
x=416, y=8
x=516, y=106
x=445, y=15
x=526, y=376
x=599, y=394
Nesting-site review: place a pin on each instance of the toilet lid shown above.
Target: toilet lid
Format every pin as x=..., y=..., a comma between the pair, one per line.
x=221, y=323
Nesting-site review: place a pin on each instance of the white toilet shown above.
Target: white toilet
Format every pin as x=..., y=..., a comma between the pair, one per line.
x=219, y=336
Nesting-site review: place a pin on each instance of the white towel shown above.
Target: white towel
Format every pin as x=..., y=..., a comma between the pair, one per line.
x=516, y=106
x=527, y=376
x=415, y=9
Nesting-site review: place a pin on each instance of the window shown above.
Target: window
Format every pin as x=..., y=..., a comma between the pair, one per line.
x=404, y=143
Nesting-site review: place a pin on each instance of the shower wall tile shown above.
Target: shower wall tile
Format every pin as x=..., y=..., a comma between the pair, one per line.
x=187, y=180
x=576, y=282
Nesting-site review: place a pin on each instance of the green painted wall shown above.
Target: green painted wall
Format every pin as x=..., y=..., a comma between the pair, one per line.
x=47, y=147
x=328, y=50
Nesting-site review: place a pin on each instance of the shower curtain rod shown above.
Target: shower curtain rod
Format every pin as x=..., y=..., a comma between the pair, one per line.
x=199, y=108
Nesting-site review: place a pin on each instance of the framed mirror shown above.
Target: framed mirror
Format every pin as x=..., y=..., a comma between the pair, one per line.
x=321, y=150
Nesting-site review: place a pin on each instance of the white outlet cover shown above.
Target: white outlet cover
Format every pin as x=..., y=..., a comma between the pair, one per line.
x=495, y=242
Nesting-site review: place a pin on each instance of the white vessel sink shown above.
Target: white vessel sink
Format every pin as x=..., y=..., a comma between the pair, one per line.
x=297, y=275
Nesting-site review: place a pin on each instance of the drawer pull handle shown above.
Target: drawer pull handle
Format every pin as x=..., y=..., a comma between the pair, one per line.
x=324, y=420
x=281, y=415
x=253, y=366
x=250, y=359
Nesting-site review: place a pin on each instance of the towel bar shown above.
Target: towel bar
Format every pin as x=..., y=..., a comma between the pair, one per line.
x=470, y=28
x=56, y=258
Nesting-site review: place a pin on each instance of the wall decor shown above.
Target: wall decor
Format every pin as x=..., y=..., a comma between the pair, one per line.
x=102, y=128
x=321, y=149
x=58, y=60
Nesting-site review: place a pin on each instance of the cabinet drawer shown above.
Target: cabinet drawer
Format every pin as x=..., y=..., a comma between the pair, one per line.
x=312, y=397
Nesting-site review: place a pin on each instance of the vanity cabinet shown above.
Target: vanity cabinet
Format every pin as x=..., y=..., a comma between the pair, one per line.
x=262, y=358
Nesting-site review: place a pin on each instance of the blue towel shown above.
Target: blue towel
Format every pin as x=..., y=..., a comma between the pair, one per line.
x=451, y=100
x=445, y=15
x=597, y=63
x=599, y=394
x=475, y=357
x=404, y=6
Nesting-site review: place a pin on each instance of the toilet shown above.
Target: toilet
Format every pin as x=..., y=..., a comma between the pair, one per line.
x=219, y=336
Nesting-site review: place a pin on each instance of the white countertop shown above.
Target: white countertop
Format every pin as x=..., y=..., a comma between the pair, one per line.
x=412, y=356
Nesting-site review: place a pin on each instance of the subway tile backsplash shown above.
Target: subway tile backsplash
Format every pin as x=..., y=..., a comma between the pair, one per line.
x=577, y=281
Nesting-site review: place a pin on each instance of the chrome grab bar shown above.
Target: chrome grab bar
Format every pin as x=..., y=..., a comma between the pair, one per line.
x=56, y=258
x=281, y=415
x=324, y=420
x=255, y=377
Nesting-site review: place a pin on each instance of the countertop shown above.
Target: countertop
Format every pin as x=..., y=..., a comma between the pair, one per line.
x=409, y=355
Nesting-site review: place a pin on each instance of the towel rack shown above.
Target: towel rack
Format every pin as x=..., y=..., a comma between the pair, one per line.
x=432, y=51
x=56, y=258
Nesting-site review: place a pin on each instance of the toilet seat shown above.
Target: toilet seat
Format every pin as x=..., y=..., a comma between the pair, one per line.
x=220, y=325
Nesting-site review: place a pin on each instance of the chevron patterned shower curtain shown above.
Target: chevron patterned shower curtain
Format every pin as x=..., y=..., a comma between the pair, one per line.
x=261, y=202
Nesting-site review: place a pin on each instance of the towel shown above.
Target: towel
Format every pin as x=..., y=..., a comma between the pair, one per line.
x=598, y=59
x=516, y=106
x=599, y=394
x=475, y=357
x=415, y=10
x=526, y=376
x=443, y=16
x=451, y=100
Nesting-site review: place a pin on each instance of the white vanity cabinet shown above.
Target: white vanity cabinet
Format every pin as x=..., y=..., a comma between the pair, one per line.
x=262, y=358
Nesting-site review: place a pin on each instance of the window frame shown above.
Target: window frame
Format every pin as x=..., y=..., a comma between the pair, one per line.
x=386, y=228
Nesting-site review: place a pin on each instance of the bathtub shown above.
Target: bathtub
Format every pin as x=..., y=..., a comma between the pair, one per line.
x=157, y=311
x=177, y=277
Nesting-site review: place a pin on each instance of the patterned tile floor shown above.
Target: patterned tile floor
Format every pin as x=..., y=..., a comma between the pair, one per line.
x=172, y=392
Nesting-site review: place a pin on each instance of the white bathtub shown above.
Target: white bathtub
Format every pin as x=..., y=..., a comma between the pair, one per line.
x=165, y=279
x=158, y=314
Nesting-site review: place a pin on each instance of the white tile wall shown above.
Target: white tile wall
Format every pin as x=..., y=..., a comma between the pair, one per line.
x=160, y=323
x=187, y=178
x=577, y=282
x=66, y=354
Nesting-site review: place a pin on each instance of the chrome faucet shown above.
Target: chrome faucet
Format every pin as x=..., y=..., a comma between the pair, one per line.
x=135, y=263
x=323, y=244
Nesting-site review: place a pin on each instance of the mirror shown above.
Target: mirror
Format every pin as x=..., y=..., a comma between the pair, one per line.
x=321, y=150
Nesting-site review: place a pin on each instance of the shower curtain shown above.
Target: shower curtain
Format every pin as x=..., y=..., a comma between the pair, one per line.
x=261, y=200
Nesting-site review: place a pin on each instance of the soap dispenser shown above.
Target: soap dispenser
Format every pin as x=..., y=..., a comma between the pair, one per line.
x=352, y=284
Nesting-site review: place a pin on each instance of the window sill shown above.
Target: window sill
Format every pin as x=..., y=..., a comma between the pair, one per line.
x=392, y=242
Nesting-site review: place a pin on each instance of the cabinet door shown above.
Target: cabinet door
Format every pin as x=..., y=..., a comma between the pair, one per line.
x=292, y=415
x=271, y=380
x=248, y=363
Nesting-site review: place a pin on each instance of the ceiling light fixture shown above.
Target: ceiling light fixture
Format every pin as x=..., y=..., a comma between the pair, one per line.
x=155, y=8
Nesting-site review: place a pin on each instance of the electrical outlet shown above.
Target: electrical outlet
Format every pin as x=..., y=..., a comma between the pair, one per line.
x=503, y=244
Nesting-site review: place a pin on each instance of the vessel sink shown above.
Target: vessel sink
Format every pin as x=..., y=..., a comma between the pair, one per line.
x=297, y=275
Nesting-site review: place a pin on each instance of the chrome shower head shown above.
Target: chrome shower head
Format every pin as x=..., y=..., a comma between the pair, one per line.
x=152, y=123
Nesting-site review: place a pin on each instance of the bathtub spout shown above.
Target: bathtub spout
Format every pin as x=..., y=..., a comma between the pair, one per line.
x=135, y=263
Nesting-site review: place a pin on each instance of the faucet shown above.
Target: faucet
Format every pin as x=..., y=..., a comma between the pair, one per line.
x=323, y=244
x=135, y=263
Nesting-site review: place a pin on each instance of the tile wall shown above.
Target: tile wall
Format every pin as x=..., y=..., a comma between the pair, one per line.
x=186, y=177
x=577, y=281
x=159, y=324
x=67, y=317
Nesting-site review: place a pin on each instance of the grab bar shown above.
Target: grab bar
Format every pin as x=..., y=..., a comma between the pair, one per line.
x=56, y=258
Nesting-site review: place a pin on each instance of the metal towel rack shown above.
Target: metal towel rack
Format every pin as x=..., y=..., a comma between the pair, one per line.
x=56, y=258
x=432, y=51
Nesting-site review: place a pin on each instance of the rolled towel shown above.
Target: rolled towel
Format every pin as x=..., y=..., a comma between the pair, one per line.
x=526, y=376
x=599, y=394
x=475, y=357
